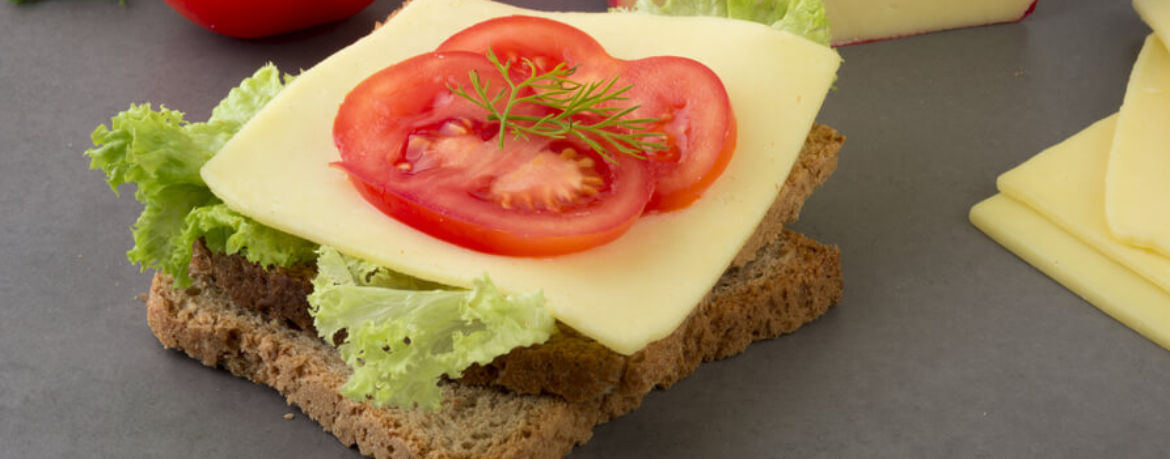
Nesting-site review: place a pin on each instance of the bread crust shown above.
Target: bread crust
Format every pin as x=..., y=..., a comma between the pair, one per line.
x=795, y=280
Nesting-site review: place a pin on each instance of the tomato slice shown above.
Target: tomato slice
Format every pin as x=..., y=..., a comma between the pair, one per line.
x=431, y=160
x=697, y=120
x=544, y=42
x=687, y=96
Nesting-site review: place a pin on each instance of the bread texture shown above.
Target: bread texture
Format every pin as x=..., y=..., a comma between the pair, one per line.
x=793, y=281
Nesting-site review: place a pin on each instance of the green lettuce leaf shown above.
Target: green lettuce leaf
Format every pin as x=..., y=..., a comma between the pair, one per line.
x=400, y=342
x=226, y=231
x=161, y=153
x=806, y=18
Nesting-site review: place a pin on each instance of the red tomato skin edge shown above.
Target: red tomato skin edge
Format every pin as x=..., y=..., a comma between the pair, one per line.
x=474, y=237
x=263, y=18
x=684, y=198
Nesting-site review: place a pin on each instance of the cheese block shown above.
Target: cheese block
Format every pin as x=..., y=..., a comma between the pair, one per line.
x=1137, y=184
x=859, y=21
x=1108, y=285
x=625, y=294
x=1066, y=184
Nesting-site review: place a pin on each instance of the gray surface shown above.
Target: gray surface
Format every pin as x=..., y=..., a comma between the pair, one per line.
x=944, y=346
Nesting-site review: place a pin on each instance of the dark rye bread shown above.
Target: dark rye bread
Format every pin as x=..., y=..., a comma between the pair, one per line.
x=568, y=365
x=792, y=281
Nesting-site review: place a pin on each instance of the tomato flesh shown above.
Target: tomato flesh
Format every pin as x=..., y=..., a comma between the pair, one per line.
x=432, y=159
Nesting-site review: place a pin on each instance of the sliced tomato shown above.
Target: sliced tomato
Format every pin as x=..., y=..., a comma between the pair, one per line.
x=697, y=119
x=687, y=96
x=544, y=42
x=431, y=160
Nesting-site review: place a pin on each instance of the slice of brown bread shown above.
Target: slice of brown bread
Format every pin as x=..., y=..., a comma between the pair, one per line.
x=577, y=368
x=569, y=365
x=792, y=281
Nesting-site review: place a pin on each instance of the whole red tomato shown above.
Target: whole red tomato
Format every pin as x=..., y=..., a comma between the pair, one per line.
x=262, y=18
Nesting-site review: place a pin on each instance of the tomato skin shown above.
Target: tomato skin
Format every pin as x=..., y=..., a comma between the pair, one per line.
x=262, y=18
x=449, y=192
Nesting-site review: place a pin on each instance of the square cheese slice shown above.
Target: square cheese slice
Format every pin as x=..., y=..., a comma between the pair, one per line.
x=625, y=294
x=1111, y=287
x=1066, y=184
x=1137, y=183
x=1156, y=14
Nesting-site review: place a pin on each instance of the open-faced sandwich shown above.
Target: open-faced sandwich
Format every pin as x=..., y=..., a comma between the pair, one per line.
x=481, y=231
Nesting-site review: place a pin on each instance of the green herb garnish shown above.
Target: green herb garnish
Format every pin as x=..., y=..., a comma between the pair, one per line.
x=568, y=99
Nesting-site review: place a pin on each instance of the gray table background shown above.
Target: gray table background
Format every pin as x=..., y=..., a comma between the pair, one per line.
x=945, y=345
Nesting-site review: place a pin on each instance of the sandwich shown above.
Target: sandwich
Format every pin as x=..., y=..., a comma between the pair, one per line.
x=413, y=327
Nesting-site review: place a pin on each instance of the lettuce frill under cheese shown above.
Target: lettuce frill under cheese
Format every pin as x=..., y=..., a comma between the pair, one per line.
x=161, y=153
x=400, y=341
x=403, y=334
x=806, y=18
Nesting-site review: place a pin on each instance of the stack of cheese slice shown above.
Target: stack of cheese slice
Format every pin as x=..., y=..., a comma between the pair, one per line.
x=1094, y=211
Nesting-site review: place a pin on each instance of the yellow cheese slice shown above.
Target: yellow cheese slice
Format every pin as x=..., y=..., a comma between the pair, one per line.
x=625, y=294
x=1066, y=184
x=1111, y=287
x=1137, y=184
x=1156, y=13
x=855, y=21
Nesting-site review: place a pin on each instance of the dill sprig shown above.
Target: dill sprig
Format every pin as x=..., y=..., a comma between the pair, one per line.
x=569, y=99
